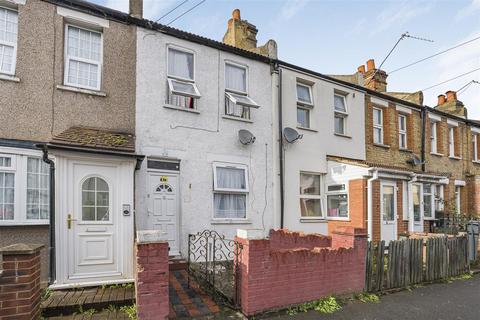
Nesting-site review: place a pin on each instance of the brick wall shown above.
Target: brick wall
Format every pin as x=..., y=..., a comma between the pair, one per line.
x=276, y=277
x=151, y=285
x=20, y=282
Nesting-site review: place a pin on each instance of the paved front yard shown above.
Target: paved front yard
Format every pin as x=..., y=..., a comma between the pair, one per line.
x=459, y=300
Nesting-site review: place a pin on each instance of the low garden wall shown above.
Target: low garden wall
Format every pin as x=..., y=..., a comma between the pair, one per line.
x=290, y=268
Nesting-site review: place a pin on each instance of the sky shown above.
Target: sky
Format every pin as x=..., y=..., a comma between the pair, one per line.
x=335, y=37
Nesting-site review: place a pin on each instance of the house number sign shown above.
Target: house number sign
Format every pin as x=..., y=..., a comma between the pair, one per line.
x=163, y=179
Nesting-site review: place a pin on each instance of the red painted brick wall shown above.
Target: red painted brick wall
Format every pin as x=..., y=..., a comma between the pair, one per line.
x=20, y=282
x=276, y=277
x=151, y=285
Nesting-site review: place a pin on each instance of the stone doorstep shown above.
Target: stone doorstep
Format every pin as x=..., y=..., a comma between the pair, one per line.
x=177, y=263
x=69, y=302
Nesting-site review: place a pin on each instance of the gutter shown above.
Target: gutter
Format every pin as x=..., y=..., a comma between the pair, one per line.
x=424, y=124
x=280, y=150
x=51, y=249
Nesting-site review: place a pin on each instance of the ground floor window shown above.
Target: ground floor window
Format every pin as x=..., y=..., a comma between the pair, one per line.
x=310, y=195
x=337, y=201
x=417, y=202
x=388, y=202
x=428, y=203
x=230, y=189
x=458, y=200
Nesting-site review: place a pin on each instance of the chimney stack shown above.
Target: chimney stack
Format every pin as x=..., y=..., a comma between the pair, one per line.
x=373, y=78
x=136, y=8
x=451, y=96
x=441, y=99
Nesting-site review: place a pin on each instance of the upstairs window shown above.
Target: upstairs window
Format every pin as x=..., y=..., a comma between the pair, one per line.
x=230, y=187
x=475, y=147
x=402, y=131
x=433, y=137
x=8, y=40
x=182, y=90
x=377, y=126
x=304, y=105
x=83, y=58
x=310, y=196
x=340, y=106
x=453, y=144
x=237, y=101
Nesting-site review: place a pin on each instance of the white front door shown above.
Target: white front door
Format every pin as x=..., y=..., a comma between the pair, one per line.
x=91, y=224
x=163, y=207
x=417, y=193
x=388, y=211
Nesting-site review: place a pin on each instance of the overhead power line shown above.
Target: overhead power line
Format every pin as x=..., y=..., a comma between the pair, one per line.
x=166, y=14
x=184, y=13
x=454, y=78
x=434, y=55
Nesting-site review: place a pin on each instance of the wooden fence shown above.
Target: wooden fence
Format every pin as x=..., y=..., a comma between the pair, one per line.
x=406, y=262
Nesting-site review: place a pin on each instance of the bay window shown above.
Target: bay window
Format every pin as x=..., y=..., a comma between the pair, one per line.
x=340, y=106
x=377, y=126
x=237, y=101
x=230, y=187
x=37, y=189
x=310, y=196
x=8, y=40
x=337, y=202
x=7, y=188
x=304, y=105
x=182, y=90
x=428, y=202
x=438, y=197
x=83, y=58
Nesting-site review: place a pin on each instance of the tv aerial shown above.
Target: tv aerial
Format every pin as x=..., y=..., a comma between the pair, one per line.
x=246, y=137
x=415, y=160
x=291, y=135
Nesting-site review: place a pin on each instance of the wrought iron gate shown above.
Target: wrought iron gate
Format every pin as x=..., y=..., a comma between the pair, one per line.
x=213, y=263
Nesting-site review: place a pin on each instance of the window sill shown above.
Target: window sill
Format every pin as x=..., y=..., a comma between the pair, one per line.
x=436, y=154
x=405, y=150
x=342, y=135
x=339, y=219
x=171, y=106
x=476, y=161
x=236, y=119
x=455, y=158
x=230, y=221
x=24, y=223
x=381, y=145
x=80, y=90
x=8, y=77
x=313, y=220
x=306, y=129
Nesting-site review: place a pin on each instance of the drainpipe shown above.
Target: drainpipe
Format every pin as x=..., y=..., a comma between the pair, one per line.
x=424, y=124
x=370, y=204
x=280, y=141
x=411, y=218
x=51, y=249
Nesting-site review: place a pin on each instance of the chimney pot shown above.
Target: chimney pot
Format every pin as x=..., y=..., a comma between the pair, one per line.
x=441, y=99
x=136, y=8
x=370, y=64
x=361, y=69
x=451, y=96
x=236, y=14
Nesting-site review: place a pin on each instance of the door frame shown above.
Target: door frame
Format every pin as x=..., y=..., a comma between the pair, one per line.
x=395, y=206
x=125, y=168
x=157, y=172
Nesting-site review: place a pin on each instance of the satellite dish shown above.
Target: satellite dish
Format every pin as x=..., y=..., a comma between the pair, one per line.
x=291, y=135
x=246, y=137
x=415, y=160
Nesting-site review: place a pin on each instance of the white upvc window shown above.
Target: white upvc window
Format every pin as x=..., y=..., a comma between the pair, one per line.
x=304, y=105
x=8, y=40
x=182, y=90
x=341, y=113
x=428, y=201
x=475, y=147
x=310, y=195
x=451, y=141
x=230, y=191
x=337, y=202
x=439, y=197
x=377, y=126
x=83, y=57
x=237, y=101
x=458, y=200
x=433, y=136
x=24, y=189
x=402, y=131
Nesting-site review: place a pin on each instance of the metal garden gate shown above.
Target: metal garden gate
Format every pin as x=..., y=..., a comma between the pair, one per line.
x=213, y=263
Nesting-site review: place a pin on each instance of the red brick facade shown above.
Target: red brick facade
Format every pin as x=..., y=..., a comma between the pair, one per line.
x=20, y=282
x=151, y=285
x=277, y=273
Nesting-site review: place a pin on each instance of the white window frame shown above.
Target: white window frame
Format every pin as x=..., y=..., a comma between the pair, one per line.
x=181, y=93
x=438, y=197
x=378, y=126
x=231, y=94
x=11, y=44
x=402, y=132
x=451, y=142
x=335, y=193
x=431, y=194
x=241, y=66
x=216, y=189
x=305, y=105
x=19, y=167
x=184, y=50
x=458, y=199
x=341, y=114
x=475, y=147
x=68, y=58
x=433, y=137
x=313, y=196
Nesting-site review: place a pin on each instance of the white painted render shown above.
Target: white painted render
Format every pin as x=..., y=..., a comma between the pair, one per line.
x=199, y=139
x=309, y=154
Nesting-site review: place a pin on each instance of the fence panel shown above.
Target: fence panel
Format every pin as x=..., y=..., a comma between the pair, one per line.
x=412, y=261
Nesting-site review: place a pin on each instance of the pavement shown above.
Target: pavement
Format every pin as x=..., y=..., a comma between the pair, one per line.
x=458, y=300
